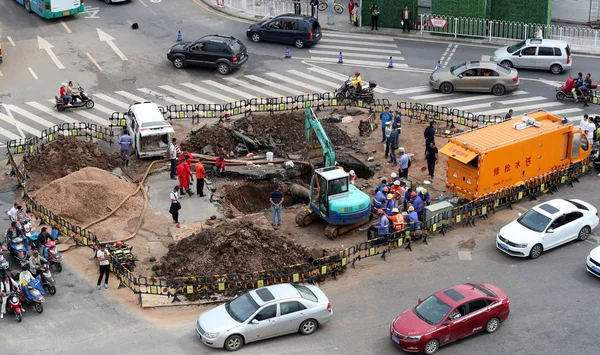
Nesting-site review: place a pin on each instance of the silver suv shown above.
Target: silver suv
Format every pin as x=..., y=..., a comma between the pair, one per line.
x=546, y=54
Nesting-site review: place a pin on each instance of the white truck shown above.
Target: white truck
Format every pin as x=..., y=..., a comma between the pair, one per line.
x=150, y=132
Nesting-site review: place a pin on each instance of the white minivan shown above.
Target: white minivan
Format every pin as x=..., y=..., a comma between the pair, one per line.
x=545, y=54
x=150, y=132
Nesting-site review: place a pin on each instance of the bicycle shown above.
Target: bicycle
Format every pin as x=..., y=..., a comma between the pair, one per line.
x=336, y=7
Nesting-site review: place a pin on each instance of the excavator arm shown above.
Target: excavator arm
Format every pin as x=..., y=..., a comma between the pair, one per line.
x=313, y=128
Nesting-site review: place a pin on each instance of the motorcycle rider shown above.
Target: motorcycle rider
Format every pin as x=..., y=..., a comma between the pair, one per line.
x=43, y=238
x=73, y=92
x=357, y=81
x=64, y=95
x=587, y=84
x=7, y=285
x=578, y=83
x=36, y=261
x=13, y=231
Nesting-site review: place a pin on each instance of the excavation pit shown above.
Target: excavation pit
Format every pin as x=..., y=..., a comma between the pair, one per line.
x=253, y=196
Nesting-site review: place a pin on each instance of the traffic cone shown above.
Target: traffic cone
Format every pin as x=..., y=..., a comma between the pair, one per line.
x=340, y=59
x=179, y=36
x=287, y=53
x=391, y=63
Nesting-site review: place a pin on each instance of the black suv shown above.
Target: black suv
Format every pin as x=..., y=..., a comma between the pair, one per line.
x=301, y=31
x=215, y=51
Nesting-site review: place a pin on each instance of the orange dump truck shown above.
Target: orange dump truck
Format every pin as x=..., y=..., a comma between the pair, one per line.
x=506, y=154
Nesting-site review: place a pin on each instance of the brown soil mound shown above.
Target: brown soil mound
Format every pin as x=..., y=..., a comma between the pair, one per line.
x=68, y=154
x=88, y=194
x=232, y=247
x=285, y=130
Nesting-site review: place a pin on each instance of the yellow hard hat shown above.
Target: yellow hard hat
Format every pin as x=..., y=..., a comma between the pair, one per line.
x=424, y=191
x=390, y=196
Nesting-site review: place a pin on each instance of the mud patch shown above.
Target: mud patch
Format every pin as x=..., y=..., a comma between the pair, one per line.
x=467, y=244
x=433, y=257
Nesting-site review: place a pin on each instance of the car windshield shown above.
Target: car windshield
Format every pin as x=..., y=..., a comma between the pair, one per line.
x=458, y=69
x=432, y=310
x=515, y=47
x=534, y=220
x=305, y=292
x=236, y=46
x=242, y=307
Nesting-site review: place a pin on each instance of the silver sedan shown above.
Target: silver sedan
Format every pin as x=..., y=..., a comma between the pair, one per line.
x=475, y=76
x=264, y=313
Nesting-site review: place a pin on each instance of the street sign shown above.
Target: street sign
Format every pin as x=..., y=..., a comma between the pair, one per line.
x=438, y=22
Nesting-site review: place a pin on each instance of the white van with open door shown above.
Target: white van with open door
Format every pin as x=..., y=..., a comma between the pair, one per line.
x=150, y=132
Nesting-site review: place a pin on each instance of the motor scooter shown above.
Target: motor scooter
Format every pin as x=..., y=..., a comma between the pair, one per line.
x=15, y=306
x=347, y=91
x=3, y=262
x=18, y=248
x=86, y=101
x=47, y=280
x=33, y=292
x=54, y=257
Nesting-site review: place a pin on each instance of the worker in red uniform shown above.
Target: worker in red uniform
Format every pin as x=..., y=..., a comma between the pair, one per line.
x=220, y=165
x=189, y=160
x=183, y=174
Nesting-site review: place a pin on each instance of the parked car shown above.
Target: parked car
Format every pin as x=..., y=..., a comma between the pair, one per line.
x=450, y=315
x=547, y=226
x=545, y=54
x=301, y=31
x=225, y=53
x=264, y=313
x=475, y=76
x=593, y=262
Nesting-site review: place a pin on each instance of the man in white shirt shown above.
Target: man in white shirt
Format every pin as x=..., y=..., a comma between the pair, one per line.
x=12, y=213
x=102, y=256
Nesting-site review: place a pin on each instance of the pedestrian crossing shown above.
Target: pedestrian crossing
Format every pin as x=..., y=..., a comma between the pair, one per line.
x=363, y=50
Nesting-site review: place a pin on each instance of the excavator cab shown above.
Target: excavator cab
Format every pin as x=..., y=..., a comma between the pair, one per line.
x=327, y=184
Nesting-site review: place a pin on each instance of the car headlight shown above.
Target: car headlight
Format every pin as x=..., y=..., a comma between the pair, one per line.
x=414, y=338
x=521, y=245
x=169, y=51
x=248, y=30
x=211, y=335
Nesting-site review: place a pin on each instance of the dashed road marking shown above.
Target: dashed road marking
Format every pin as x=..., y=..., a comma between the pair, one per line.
x=1, y=73
x=94, y=61
x=33, y=73
x=143, y=3
x=450, y=55
x=65, y=26
x=11, y=41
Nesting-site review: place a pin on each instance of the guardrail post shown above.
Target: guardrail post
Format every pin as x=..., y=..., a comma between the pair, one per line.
x=595, y=40
x=525, y=31
x=421, y=15
x=455, y=27
x=560, y=33
x=490, y=29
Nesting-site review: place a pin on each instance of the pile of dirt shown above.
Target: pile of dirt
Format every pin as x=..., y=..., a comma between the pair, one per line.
x=68, y=154
x=88, y=194
x=231, y=247
x=281, y=133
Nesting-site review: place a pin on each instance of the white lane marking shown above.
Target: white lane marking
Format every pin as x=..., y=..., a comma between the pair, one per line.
x=441, y=60
x=450, y=55
x=1, y=73
x=115, y=102
x=358, y=62
x=205, y=91
x=47, y=47
x=228, y=89
x=503, y=102
x=361, y=49
x=485, y=58
x=473, y=98
x=540, y=105
x=130, y=96
x=315, y=79
x=105, y=37
x=430, y=96
x=33, y=74
x=161, y=96
x=51, y=112
x=20, y=126
x=329, y=73
x=10, y=119
x=568, y=110
x=273, y=85
x=104, y=109
x=94, y=61
x=11, y=41
x=129, y=22
x=143, y=3
x=354, y=35
x=358, y=43
x=254, y=87
x=352, y=54
x=31, y=116
x=412, y=90
x=297, y=83
x=65, y=26
x=88, y=115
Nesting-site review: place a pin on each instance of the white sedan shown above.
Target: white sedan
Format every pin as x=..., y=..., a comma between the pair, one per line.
x=593, y=262
x=546, y=226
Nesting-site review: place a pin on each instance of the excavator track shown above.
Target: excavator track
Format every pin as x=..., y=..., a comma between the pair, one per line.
x=333, y=231
x=305, y=217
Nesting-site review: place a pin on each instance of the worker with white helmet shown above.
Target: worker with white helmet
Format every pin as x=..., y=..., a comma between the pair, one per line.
x=396, y=220
x=353, y=176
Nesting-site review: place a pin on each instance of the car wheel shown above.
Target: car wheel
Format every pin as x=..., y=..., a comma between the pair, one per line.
x=560, y=95
x=234, y=343
x=178, y=62
x=299, y=43
x=492, y=325
x=223, y=68
x=584, y=233
x=556, y=69
x=431, y=347
x=255, y=37
x=308, y=327
x=536, y=251
x=498, y=90
x=108, y=1
x=506, y=63
x=446, y=88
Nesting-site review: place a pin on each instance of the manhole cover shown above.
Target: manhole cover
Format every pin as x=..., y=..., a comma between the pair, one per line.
x=497, y=105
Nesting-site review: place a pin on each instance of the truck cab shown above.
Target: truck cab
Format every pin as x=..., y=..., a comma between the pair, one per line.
x=580, y=146
x=149, y=130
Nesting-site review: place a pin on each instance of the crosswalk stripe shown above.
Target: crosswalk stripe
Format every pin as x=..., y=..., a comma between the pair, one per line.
x=223, y=98
x=87, y=115
x=131, y=96
x=358, y=62
x=329, y=73
x=160, y=96
x=115, y=102
x=21, y=125
x=540, y=105
x=315, y=79
x=31, y=116
x=6, y=133
x=104, y=109
x=485, y=58
x=195, y=99
x=412, y=90
x=263, y=91
x=361, y=49
x=297, y=83
x=274, y=85
x=429, y=96
x=49, y=111
x=237, y=92
x=352, y=54
x=473, y=98
x=568, y=110
x=359, y=43
x=503, y=102
x=575, y=119
x=358, y=36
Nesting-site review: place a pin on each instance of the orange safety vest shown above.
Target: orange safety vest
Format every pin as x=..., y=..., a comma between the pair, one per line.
x=397, y=221
x=396, y=190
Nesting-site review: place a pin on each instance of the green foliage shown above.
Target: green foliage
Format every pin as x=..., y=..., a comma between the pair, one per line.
x=390, y=12
x=531, y=11
x=460, y=8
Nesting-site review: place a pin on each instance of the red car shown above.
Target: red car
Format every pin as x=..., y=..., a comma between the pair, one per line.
x=449, y=315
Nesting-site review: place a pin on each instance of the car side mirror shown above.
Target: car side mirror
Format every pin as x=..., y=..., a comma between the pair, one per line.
x=550, y=230
x=254, y=321
x=447, y=323
x=420, y=301
x=460, y=76
x=520, y=54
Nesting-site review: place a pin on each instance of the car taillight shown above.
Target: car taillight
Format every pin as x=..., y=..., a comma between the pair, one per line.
x=310, y=34
x=516, y=79
x=596, y=213
x=234, y=58
x=329, y=307
x=568, y=59
x=47, y=6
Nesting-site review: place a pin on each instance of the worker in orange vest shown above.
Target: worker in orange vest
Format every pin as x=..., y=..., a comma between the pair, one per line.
x=396, y=220
x=396, y=190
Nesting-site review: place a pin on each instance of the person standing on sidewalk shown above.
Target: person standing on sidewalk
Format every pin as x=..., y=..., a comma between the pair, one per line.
x=405, y=20
x=355, y=11
x=173, y=157
x=200, y=175
x=184, y=173
x=102, y=256
x=374, y=17
x=125, y=142
x=393, y=143
x=313, y=7
x=350, y=8
x=404, y=163
x=276, y=198
x=175, y=206
x=297, y=7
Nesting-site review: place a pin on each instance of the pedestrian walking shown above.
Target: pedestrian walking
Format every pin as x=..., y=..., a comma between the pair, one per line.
x=313, y=7
x=297, y=7
x=406, y=20
x=351, y=4
x=200, y=175
x=385, y=117
x=355, y=11
x=431, y=155
x=429, y=134
x=374, y=17
x=103, y=259
x=538, y=32
x=276, y=198
x=438, y=66
x=508, y=115
x=183, y=174
x=404, y=163
x=175, y=205
x=126, y=143
x=172, y=153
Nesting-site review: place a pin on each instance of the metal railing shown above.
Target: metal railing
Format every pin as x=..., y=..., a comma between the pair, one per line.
x=579, y=38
